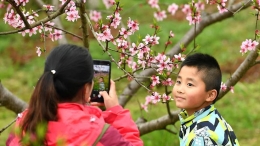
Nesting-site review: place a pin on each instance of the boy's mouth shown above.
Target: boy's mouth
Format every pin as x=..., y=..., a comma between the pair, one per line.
x=179, y=98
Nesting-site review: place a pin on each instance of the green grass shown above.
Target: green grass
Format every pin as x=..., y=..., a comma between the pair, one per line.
x=221, y=40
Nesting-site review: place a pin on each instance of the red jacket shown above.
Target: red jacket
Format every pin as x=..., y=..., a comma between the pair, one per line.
x=81, y=125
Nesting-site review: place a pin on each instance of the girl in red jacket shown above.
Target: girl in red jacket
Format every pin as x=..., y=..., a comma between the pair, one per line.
x=59, y=100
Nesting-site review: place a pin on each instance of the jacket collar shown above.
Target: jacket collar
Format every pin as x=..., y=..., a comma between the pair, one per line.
x=187, y=120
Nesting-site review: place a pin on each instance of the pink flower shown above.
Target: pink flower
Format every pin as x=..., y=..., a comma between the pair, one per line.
x=105, y=35
x=171, y=34
x=48, y=7
x=172, y=8
x=134, y=66
x=186, y=9
x=156, y=97
x=232, y=89
x=132, y=25
x=155, y=80
x=133, y=50
x=38, y=51
x=124, y=32
x=48, y=26
x=223, y=86
x=148, y=99
x=109, y=3
x=147, y=39
x=179, y=57
x=160, y=15
x=72, y=16
x=142, y=63
x=95, y=16
x=72, y=13
x=167, y=82
x=221, y=6
x=57, y=34
x=200, y=6
x=248, y=45
x=194, y=19
x=116, y=20
x=21, y=2
x=121, y=43
x=154, y=4
x=153, y=40
x=31, y=31
x=144, y=107
x=166, y=98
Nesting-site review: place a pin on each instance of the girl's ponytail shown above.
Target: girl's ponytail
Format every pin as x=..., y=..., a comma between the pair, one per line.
x=43, y=105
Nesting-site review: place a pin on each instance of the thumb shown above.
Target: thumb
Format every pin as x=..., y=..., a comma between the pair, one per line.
x=104, y=94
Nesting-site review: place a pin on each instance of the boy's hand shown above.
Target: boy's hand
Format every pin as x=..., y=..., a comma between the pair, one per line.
x=110, y=100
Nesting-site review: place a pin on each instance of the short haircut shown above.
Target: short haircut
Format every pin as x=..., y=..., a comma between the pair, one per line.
x=208, y=65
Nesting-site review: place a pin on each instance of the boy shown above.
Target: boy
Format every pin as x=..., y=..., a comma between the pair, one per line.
x=195, y=92
x=101, y=84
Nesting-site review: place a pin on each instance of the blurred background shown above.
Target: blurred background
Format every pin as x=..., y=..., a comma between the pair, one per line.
x=20, y=67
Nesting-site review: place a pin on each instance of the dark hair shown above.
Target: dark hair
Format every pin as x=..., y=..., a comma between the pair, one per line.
x=67, y=69
x=209, y=66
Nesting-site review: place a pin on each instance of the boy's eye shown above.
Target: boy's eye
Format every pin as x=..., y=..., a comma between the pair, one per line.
x=189, y=84
x=178, y=82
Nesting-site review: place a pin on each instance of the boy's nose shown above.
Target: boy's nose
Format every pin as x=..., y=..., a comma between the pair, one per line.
x=179, y=91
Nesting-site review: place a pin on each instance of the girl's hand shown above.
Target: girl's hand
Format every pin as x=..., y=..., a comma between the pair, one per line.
x=110, y=100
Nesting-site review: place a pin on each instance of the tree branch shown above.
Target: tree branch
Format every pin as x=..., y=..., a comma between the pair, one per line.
x=158, y=124
x=257, y=62
x=11, y=101
x=240, y=71
x=83, y=24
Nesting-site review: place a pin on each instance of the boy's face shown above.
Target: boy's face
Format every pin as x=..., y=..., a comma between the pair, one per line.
x=189, y=91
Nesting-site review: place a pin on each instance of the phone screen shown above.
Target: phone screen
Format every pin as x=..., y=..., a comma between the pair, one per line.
x=102, y=73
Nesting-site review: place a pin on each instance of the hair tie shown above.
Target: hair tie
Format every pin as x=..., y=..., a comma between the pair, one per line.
x=53, y=71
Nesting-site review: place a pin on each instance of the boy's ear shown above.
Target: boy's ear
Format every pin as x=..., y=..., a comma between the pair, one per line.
x=212, y=94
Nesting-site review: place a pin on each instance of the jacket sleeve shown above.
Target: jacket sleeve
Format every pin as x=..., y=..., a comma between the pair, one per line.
x=121, y=120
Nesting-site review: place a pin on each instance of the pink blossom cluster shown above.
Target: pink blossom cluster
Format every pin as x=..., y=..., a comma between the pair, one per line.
x=192, y=12
x=221, y=5
x=154, y=99
x=115, y=19
x=248, y=45
x=160, y=15
x=224, y=87
x=21, y=2
x=95, y=15
x=48, y=7
x=109, y=3
x=71, y=11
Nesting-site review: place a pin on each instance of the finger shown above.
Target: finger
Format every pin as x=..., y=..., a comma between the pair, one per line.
x=96, y=104
x=112, y=85
x=104, y=94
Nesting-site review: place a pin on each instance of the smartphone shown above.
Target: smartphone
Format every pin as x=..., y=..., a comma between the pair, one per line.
x=102, y=74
